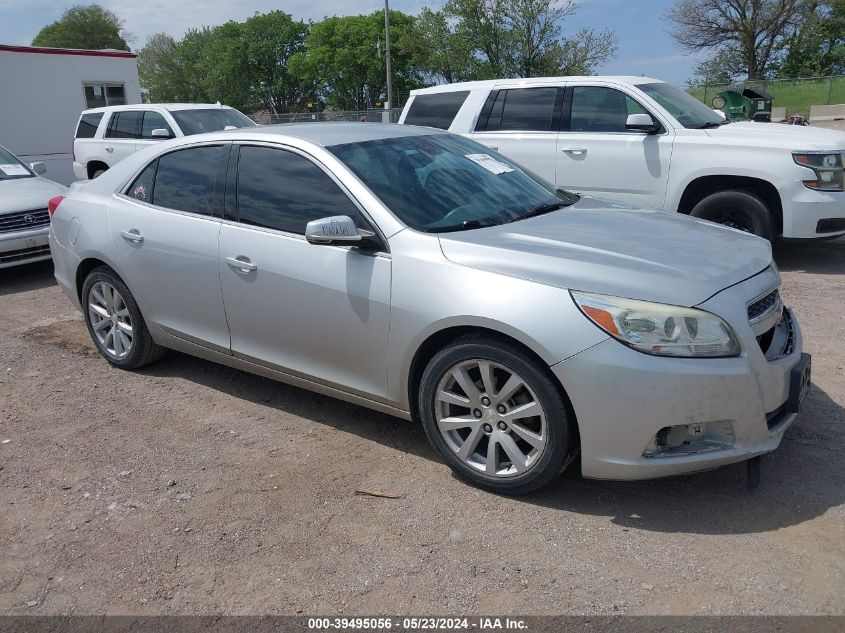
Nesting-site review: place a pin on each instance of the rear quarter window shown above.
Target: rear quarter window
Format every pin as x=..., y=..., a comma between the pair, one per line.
x=88, y=125
x=436, y=110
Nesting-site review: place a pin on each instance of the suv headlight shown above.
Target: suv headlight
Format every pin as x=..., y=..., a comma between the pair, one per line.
x=658, y=328
x=827, y=167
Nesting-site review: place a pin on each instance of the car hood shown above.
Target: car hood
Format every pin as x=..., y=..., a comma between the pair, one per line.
x=599, y=246
x=792, y=137
x=27, y=194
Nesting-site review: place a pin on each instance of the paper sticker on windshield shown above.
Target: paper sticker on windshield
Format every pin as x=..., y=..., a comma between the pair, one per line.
x=489, y=163
x=13, y=170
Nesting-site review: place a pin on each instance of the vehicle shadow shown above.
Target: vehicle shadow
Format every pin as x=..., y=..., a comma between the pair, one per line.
x=26, y=277
x=801, y=480
x=824, y=257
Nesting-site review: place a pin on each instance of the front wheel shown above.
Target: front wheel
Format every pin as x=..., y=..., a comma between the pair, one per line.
x=115, y=322
x=738, y=209
x=495, y=416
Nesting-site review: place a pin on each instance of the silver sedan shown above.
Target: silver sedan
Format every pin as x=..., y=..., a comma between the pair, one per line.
x=421, y=274
x=24, y=219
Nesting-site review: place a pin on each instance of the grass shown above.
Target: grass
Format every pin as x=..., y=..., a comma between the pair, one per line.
x=797, y=95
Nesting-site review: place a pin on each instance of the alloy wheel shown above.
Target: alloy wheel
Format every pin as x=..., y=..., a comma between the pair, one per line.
x=491, y=418
x=110, y=320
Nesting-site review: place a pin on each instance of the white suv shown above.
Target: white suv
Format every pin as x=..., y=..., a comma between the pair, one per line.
x=105, y=136
x=646, y=143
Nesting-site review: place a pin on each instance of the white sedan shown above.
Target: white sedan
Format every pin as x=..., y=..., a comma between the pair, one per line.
x=24, y=221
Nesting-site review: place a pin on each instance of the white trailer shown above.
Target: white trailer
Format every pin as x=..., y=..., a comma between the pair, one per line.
x=43, y=90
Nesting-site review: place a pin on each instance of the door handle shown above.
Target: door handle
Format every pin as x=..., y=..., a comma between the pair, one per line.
x=133, y=235
x=574, y=150
x=109, y=148
x=241, y=264
x=495, y=148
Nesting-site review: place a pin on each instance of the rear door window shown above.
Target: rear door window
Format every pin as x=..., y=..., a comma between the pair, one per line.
x=436, y=110
x=522, y=109
x=187, y=179
x=88, y=125
x=142, y=188
x=125, y=125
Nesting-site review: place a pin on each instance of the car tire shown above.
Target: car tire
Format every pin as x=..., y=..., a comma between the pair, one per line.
x=444, y=407
x=113, y=318
x=98, y=173
x=740, y=209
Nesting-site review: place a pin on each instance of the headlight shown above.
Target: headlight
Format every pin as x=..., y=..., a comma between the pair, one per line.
x=827, y=167
x=658, y=328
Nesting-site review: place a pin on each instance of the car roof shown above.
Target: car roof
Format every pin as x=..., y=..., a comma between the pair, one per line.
x=172, y=107
x=533, y=81
x=325, y=134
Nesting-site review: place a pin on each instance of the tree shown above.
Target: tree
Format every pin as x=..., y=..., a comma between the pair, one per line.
x=477, y=39
x=818, y=46
x=441, y=53
x=343, y=55
x=248, y=65
x=746, y=35
x=91, y=27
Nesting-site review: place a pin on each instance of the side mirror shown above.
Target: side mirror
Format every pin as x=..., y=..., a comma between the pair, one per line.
x=642, y=123
x=338, y=229
x=160, y=132
x=39, y=168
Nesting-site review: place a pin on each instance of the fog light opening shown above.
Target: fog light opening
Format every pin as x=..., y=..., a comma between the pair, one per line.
x=688, y=439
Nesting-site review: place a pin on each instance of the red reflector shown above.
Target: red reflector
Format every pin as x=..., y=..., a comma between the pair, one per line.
x=53, y=205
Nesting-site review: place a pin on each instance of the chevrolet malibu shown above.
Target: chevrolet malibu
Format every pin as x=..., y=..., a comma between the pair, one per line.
x=421, y=274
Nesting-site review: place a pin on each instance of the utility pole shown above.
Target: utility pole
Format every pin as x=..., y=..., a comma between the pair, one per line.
x=389, y=103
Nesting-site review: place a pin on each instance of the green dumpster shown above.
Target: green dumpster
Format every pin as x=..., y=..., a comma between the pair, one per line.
x=745, y=103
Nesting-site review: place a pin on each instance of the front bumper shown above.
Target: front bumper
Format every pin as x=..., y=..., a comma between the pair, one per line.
x=24, y=247
x=808, y=214
x=623, y=398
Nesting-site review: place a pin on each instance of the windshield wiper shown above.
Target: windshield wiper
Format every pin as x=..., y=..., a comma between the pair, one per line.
x=548, y=207
x=463, y=226
x=712, y=124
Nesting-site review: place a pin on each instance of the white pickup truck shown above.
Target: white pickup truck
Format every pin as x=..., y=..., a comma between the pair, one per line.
x=647, y=143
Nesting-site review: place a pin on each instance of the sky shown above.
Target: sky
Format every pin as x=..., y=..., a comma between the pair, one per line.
x=645, y=46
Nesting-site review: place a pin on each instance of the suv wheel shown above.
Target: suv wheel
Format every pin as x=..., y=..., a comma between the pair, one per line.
x=743, y=210
x=115, y=323
x=497, y=419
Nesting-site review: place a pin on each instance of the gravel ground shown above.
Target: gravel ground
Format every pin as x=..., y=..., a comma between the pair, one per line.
x=192, y=488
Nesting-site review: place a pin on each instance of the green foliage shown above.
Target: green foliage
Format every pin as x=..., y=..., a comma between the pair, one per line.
x=343, y=55
x=272, y=62
x=818, y=47
x=480, y=39
x=90, y=26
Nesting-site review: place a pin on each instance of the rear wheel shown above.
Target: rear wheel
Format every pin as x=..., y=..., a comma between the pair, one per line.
x=496, y=417
x=738, y=209
x=115, y=323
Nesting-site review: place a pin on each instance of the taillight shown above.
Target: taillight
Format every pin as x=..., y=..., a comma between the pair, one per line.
x=53, y=205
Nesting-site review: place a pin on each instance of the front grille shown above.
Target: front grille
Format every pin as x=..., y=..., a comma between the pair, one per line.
x=24, y=220
x=779, y=341
x=763, y=307
x=24, y=254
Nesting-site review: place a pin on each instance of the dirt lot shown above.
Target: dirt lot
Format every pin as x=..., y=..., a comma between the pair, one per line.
x=193, y=488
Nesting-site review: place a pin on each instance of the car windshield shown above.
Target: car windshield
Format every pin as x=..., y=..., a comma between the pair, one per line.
x=210, y=120
x=442, y=182
x=11, y=166
x=688, y=110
